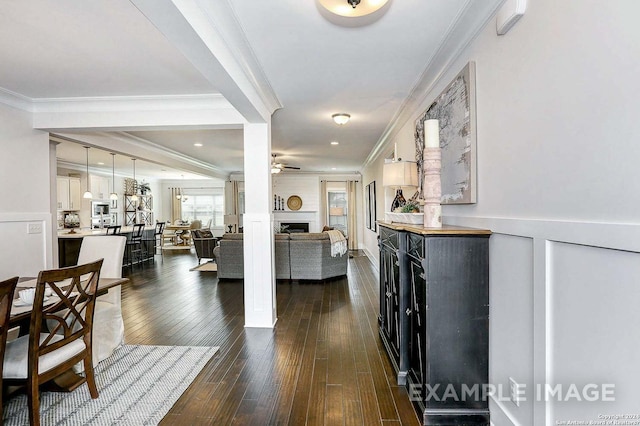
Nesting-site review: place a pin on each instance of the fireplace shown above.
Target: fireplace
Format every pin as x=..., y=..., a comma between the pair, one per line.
x=296, y=226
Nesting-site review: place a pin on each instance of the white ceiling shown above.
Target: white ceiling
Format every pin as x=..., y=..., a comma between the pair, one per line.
x=316, y=67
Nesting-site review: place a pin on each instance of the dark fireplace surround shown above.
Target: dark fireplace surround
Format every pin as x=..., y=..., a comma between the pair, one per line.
x=295, y=226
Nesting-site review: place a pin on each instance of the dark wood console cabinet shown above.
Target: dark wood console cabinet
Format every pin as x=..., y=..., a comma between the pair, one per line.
x=434, y=318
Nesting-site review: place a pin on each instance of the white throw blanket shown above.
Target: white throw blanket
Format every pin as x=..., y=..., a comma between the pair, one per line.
x=338, y=243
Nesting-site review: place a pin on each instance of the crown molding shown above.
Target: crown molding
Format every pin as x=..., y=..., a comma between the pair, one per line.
x=472, y=18
x=15, y=100
x=130, y=103
x=123, y=143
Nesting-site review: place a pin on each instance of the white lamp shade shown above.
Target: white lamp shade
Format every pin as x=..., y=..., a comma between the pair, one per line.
x=400, y=173
x=230, y=219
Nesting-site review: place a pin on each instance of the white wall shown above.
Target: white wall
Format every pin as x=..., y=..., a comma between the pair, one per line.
x=307, y=187
x=24, y=195
x=557, y=165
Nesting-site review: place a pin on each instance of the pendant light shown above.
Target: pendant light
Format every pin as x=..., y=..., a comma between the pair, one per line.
x=134, y=197
x=114, y=195
x=88, y=193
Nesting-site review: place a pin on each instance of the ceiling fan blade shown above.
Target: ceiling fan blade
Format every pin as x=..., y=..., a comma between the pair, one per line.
x=291, y=167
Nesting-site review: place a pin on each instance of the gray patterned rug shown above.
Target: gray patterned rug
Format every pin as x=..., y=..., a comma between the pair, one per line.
x=137, y=385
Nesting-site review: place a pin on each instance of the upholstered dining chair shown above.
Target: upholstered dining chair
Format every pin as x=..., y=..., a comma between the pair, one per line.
x=46, y=352
x=7, y=288
x=108, y=325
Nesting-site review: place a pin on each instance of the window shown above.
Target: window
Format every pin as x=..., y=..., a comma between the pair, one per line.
x=337, y=206
x=204, y=207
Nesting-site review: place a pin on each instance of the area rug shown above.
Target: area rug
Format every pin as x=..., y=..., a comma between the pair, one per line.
x=206, y=267
x=137, y=385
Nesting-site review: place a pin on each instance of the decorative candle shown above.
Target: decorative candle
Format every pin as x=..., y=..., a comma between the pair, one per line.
x=431, y=134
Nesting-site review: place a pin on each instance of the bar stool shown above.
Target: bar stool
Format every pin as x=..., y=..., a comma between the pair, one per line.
x=134, y=245
x=156, y=240
x=113, y=229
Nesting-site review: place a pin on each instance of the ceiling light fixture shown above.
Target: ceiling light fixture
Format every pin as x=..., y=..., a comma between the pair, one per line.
x=134, y=197
x=88, y=193
x=114, y=195
x=197, y=144
x=335, y=143
x=348, y=8
x=341, y=118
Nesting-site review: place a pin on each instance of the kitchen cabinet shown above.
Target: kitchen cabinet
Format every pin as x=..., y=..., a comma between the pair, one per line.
x=100, y=187
x=443, y=320
x=69, y=193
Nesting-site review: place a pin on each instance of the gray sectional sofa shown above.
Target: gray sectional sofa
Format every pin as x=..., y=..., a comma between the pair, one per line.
x=298, y=256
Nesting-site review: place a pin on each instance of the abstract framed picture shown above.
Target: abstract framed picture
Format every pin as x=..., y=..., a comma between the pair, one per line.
x=455, y=108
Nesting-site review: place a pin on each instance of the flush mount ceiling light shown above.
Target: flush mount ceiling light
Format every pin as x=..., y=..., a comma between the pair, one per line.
x=341, y=118
x=88, y=193
x=352, y=8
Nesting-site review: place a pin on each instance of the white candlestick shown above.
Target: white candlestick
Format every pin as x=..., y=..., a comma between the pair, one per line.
x=431, y=134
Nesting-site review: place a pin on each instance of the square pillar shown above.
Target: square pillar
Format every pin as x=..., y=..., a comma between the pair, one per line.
x=259, y=259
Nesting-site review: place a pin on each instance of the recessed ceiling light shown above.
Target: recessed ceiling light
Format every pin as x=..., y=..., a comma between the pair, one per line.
x=100, y=163
x=197, y=144
x=335, y=143
x=341, y=118
x=333, y=168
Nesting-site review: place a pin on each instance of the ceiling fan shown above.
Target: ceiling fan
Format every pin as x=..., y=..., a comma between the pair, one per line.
x=278, y=167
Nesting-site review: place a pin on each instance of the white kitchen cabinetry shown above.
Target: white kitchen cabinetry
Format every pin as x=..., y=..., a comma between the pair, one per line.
x=69, y=193
x=100, y=187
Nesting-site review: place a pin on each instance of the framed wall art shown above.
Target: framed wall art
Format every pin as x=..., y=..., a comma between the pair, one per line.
x=455, y=108
x=370, y=205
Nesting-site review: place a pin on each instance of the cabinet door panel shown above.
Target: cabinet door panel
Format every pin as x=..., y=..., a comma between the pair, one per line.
x=62, y=188
x=75, y=198
x=417, y=332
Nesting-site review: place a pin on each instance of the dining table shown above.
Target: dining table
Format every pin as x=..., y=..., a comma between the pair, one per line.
x=178, y=228
x=21, y=315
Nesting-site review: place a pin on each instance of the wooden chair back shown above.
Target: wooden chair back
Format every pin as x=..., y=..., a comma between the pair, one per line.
x=7, y=288
x=69, y=319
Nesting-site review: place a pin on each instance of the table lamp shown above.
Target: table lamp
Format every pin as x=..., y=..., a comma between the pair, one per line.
x=397, y=174
x=230, y=220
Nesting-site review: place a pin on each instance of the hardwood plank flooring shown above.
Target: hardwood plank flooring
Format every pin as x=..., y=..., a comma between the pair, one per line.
x=323, y=363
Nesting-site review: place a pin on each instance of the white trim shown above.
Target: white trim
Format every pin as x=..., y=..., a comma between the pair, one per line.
x=617, y=236
x=471, y=19
x=15, y=100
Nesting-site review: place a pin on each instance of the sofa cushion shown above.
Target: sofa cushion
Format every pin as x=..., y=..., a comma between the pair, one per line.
x=309, y=236
x=280, y=236
x=229, y=236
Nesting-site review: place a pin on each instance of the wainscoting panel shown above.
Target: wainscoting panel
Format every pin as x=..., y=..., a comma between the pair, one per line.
x=595, y=314
x=511, y=320
x=565, y=308
x=22, y=253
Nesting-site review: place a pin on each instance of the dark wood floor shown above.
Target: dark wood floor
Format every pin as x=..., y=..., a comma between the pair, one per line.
x=323, y=363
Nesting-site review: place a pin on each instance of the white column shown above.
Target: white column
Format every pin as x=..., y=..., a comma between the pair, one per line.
x=259, y=266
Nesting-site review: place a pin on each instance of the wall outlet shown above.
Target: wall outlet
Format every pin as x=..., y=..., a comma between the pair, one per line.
x=35, y=228
x=516, y=391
